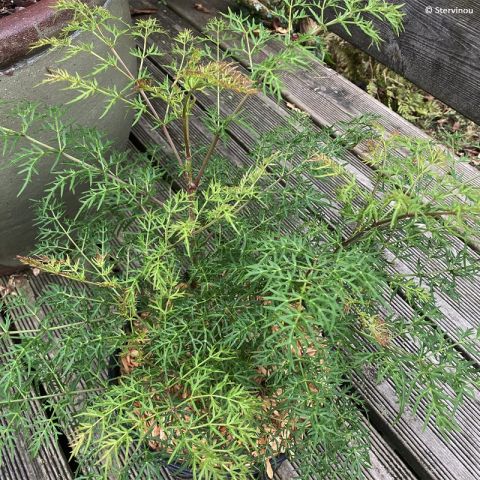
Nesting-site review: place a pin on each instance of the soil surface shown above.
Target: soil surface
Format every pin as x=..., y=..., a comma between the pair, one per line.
x=7, y=7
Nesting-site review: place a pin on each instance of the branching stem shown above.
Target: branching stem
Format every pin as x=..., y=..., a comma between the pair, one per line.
x=186, y=140
x=383, y=223
x=149, y=104
x=215, y=140
x=155, y=114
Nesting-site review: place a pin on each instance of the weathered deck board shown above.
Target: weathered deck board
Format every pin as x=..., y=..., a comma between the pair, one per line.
x=386, y=464
x=426, y=451
x=50, y=464
x=24, y=321
x=431, y=455
x=438, y=52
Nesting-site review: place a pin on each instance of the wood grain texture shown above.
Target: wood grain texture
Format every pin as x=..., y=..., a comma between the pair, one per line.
x=438, y=52
x=49, y=464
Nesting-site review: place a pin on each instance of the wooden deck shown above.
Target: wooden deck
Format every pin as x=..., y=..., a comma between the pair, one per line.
x=439, y=52
x=401, y=450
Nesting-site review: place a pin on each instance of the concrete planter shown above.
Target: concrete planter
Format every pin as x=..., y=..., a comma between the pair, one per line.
x=20, y=74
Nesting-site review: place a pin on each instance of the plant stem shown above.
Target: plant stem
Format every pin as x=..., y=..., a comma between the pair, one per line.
x=382, y=223
x=164, y=127
x=186, y=140
x=150, y=106
x=48, y=329
x=191, y=186
x=215, y=140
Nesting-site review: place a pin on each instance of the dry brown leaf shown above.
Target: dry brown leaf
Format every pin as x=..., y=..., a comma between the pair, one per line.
x=268, y=468
x=4, y=291
x=312, y=388
x=298, y=306
x=297, y=351
x=14, y=281
x=261, y=299
x=381, y=332
x=134, y=12
x=262, y=371
x=293, y=107
x=201, y=8
x=129, y=361
x=274, y=445
x=277, y=27
x=262, y=441
x=311, y=351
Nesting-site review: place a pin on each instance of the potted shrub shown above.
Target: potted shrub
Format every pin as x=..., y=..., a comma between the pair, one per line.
x=235, y=316
x=21, y=70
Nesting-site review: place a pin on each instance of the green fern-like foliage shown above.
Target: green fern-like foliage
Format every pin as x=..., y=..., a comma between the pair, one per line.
x=319, y=16
x=232, y=305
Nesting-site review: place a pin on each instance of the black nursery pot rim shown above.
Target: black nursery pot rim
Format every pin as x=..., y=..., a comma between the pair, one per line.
x=180, y=472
